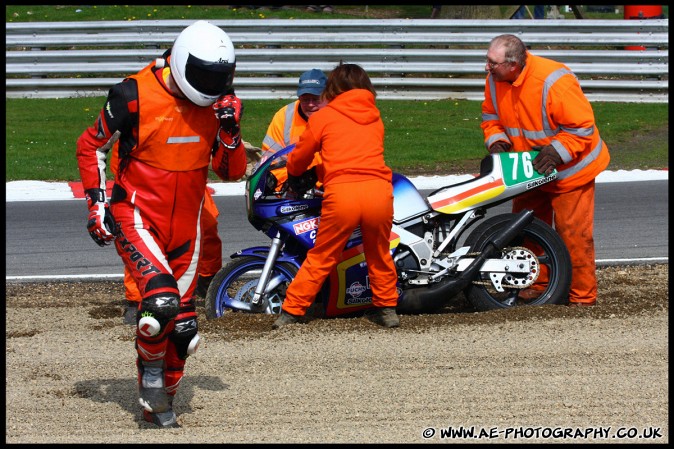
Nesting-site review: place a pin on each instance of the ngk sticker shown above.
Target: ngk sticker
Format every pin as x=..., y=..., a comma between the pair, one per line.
x=306, y=226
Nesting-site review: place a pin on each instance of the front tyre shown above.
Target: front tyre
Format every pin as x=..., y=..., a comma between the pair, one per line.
x=234, y=285
x=553, y=257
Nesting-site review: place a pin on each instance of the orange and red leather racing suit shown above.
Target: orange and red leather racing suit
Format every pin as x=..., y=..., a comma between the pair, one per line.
x=210, y=260
x=165, y=146
x=349, y=134
x=545, y=105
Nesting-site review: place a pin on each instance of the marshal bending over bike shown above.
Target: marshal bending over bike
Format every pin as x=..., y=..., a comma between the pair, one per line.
x=442, y=244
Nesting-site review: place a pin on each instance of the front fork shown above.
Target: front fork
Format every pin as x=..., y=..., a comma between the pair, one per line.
x=274, y=251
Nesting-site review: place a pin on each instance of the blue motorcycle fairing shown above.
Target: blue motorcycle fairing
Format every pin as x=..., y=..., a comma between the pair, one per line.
x=278, y=208
x=261, y=253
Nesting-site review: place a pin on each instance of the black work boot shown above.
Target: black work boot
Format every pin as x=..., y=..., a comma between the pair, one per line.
x=284, y=319
x=384, y=316
x=130, y=313
x=203, y=282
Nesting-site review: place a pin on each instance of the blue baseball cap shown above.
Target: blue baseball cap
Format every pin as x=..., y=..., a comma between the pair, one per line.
x=312, y=82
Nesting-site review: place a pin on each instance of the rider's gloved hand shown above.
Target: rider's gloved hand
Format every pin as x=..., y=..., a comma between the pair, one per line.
x=500, y=146
x=101, y=224
x=229, y=110
x=547, y=159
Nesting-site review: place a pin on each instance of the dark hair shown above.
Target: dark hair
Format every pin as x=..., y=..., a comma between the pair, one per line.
x=345, y=77
x=515, y=50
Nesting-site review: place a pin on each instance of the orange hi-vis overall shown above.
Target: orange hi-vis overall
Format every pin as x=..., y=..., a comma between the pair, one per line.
x=545, y=105
x=285, y=128
x=349, y=135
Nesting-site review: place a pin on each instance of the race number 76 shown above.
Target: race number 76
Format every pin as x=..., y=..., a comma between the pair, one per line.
x=527, y=166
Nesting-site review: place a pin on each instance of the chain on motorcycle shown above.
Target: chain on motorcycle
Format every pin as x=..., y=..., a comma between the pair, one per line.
x=509, y=251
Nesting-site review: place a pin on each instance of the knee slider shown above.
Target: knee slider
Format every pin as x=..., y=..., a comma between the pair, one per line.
x=185, y=337
x=156, y=312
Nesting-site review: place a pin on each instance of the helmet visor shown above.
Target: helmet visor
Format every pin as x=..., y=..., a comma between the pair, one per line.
x=209, y=78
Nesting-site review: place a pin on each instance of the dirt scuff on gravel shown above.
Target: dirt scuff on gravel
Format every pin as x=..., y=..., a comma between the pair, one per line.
x=71, y=376
x=621, y=291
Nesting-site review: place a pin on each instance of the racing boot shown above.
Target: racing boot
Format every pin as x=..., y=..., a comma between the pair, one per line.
x=152, y=395
x=384, y=316
x=165, y=419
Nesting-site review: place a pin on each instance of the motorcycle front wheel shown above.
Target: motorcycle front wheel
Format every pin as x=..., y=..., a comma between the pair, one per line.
x=553, y=260
x=233, y=287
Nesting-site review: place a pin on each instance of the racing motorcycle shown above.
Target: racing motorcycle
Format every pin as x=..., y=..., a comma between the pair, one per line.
x=442, y=245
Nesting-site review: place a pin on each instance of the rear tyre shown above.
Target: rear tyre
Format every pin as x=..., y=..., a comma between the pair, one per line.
x=553, y=259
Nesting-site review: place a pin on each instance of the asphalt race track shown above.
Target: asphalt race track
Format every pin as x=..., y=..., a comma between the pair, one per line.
x=48, y=239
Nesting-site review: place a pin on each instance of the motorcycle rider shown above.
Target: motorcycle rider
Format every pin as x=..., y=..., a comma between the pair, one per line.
x=358, y=191
x=171, y=120
x=210, y=260
x=534, y=103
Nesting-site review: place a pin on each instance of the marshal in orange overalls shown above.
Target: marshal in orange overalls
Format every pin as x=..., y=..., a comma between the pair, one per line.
x=349, y=134
x=545, y=105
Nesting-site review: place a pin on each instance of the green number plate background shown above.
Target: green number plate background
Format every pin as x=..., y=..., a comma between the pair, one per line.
x=519, y=169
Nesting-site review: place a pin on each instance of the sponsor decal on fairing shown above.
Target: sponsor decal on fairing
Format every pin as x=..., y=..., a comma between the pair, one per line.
x=540, y=181
x=356, y=289
x=306, y=225
x=293, y=208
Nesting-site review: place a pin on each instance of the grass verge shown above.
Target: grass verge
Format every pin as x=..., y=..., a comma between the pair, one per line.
x=422, y=137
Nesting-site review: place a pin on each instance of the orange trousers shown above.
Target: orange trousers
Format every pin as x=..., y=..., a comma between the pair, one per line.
x=573, y=216
x=210, y=260
x=368, y=204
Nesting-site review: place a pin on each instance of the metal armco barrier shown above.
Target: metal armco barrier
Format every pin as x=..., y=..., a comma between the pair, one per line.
x=423, y=59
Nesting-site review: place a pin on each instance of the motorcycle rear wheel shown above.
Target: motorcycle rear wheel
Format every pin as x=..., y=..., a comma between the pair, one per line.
x=237, y=280
x=552, y=254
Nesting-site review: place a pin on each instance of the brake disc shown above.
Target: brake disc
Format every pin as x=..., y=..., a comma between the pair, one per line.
x=500, y=280
x=522, y=280
x=246, y=291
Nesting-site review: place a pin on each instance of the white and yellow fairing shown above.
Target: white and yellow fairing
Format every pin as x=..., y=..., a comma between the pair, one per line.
x=509, y=175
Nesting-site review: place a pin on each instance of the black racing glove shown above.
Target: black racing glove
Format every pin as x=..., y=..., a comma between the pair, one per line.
x=547, y=160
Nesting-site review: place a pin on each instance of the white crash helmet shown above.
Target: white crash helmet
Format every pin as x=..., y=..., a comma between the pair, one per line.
x=203, y=62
